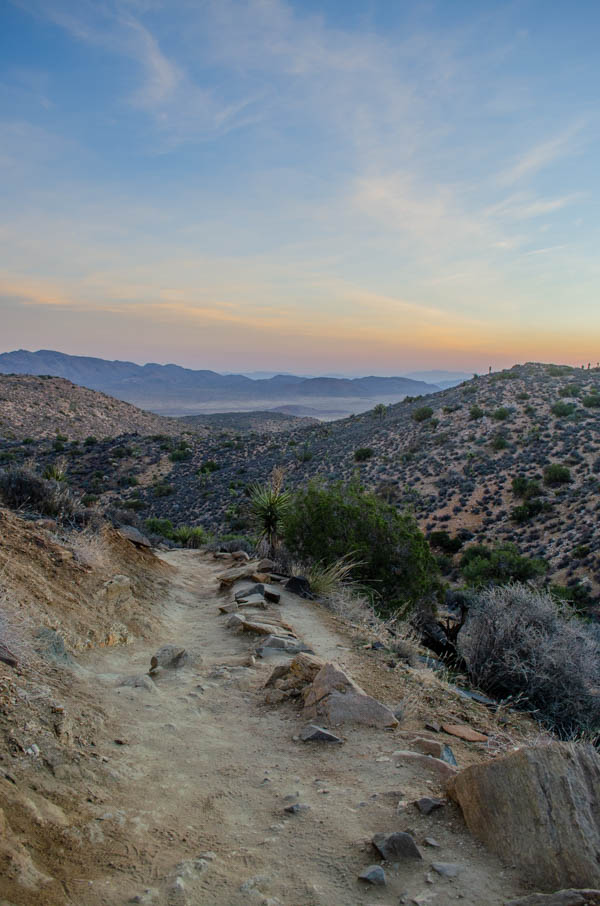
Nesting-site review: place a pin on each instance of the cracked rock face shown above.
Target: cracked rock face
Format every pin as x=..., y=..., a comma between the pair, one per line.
x=538, y=808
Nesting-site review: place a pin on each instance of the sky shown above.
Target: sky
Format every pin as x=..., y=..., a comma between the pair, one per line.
x=354, y=186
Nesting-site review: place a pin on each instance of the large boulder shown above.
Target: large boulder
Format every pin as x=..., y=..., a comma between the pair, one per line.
x=130, y=533
x=538, y=808
x=335, y=698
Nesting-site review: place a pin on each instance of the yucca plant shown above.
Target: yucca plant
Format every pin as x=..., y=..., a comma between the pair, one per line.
x=56, y=471
x=270, y=504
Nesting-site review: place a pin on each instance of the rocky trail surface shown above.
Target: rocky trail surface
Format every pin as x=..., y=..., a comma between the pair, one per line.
x=211, y=797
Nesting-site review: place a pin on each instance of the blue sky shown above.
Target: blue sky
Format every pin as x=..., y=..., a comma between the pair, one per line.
x=317, y=186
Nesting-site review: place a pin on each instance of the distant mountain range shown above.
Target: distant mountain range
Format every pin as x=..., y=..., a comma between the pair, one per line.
x=171, y=389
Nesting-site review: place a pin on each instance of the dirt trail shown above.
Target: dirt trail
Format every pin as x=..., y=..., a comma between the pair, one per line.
x=199, y=789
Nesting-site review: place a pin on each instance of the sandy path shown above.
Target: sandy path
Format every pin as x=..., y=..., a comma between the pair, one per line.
x=209, y=768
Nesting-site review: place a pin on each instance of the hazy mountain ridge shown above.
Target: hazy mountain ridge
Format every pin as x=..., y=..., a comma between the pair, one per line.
x=174, y=390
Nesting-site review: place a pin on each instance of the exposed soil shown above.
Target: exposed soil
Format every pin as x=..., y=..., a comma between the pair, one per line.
x=178, y=792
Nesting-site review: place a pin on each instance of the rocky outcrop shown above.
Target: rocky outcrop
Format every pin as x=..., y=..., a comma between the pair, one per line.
x=538, y=808
x=335, y=698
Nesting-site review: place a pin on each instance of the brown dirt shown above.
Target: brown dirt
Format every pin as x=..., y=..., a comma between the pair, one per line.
x=205, y=765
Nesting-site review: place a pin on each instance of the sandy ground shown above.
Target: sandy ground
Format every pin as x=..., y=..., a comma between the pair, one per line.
x=194, y=806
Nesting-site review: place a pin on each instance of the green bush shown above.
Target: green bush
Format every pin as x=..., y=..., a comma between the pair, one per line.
x=476, y=412
x=180, y=455
x=90, y=441
x=481, y=565
x=422, y=414
x=525, y=487
x=325, y=523
x=190, y=536
x=559, y=370
x=569, y=390
x=499, y=442
x=562, y=409
x=555, y=474
x=162, y=527
x=363, y=453
x=592, y=401
x=209, y=466
x=500, y=414
x=445, y=542
x=162, y=489
x=527, y=510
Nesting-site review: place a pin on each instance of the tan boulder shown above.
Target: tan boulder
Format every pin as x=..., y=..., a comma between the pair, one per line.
x=538, y=809
x=236, y=573
x=335, y=698
x=462, y=731
x=442, y=769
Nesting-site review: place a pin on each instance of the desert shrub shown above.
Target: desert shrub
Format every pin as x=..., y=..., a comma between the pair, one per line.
x=180, y=455
x=500, y=414
x=90, y=441
x=476, y=412
x=190, y=536
x=325, y=523
x=157, y=526
x=208, y=466
x=522, y=395
x=526, y=488
x=482, y=565
x=21, y=488
x=527, y=510
x=518, y=642
x=592, y=401
x=327, y=579
x=559, y=370
x=556, y=474
x=499, y=442
x=579, y=595
x=162, y=489
x=422, y=414
x=363, y=453
x=305, y=454
x=444, y=542
x=569, y=390
x=134, y=504
x=55, y=471
x=562, y=409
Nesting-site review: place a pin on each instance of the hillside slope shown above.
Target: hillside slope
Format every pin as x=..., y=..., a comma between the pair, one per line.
x=454, y=468
x=46, y=406
x=451, y=457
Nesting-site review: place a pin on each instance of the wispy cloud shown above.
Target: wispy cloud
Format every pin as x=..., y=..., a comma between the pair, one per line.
x=524, y=207
x=542, y=155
